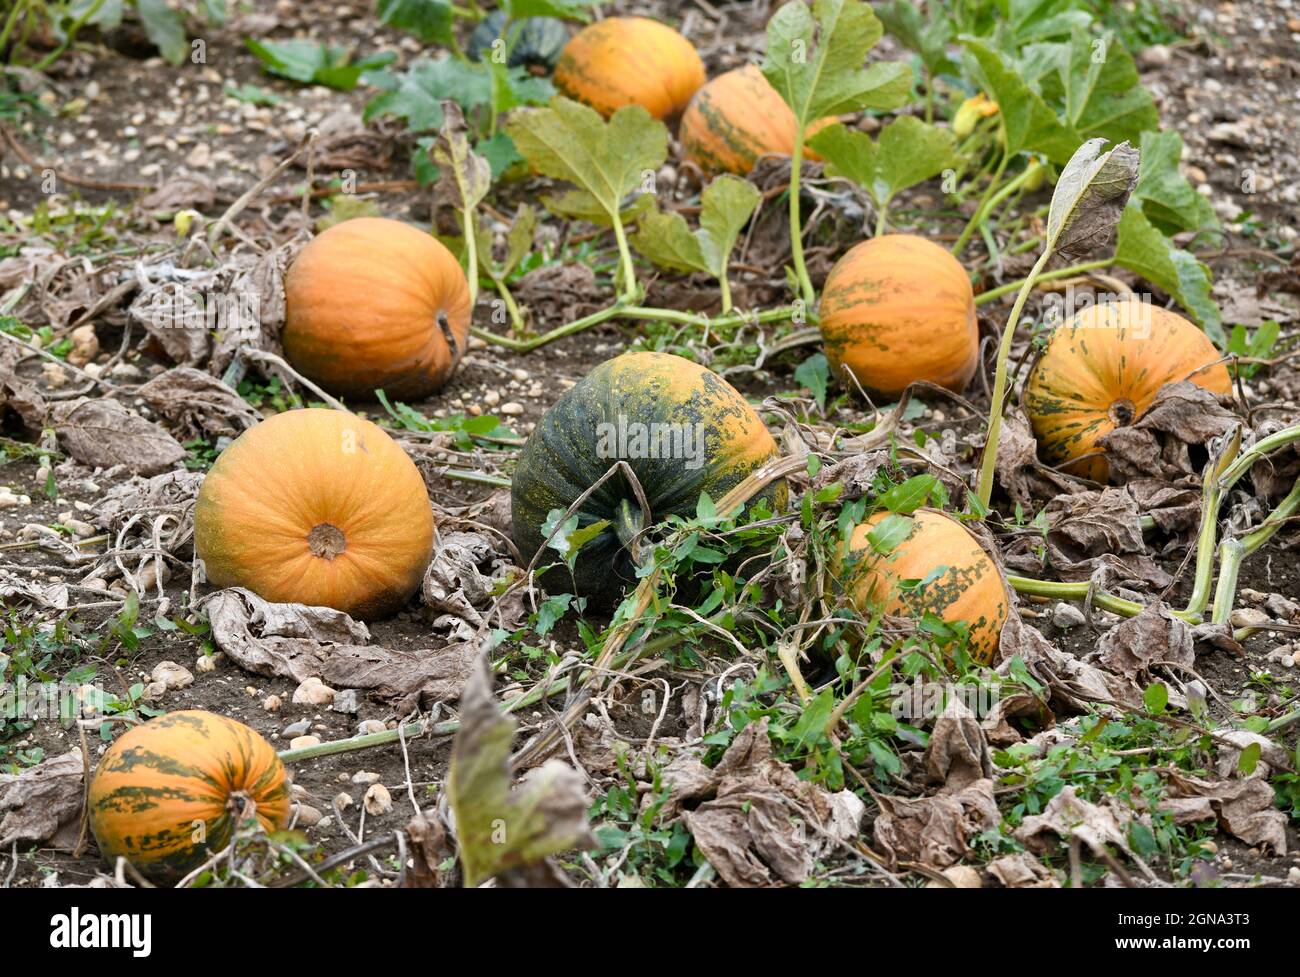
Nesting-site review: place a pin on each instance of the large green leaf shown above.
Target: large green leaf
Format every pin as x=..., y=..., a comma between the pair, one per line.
x=1168, y=200
x=815, y=60
x=1029, y=122
x=311, y=62
x=416, y=95
x=1093, y=85
x=907, y=152
x=606, y=161
x=927, y=36
x=164, y=28
x=429, y=20
x=1144, y=250
x=725, y=207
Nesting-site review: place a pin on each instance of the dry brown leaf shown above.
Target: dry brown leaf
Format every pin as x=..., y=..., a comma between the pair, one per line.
x=1158, y=443
x=1022, y=871
x=1153, y=635
x=1244, y=808
x=935, y=830
x=102, y=433
x=43, y=803
x=194, y=404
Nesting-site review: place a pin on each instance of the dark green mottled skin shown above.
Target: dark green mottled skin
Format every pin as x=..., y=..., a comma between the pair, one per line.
x=560, y=459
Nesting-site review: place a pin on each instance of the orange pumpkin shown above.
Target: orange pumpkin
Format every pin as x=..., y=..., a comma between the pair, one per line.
x=735, y=119
x=1102, y=370
x=896, y=309
x=630, y=61
x=374, y=303
x=963, y=582
x=316, y=507
x=170, y=792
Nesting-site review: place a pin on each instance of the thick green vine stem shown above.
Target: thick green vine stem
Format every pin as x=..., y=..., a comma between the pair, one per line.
x=618, y=310
x=992, y=294
x=982, y=207
x=984, y=488
x=796, y=225
x=1211, y=497
x=1079, y=591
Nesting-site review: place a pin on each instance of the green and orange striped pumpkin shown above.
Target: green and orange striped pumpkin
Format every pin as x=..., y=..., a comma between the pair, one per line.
x=630, y=61
x=736, y=118
x=1103, y=369
x=170, y=792
x=896, y=309
x=959, y=582
x=682, y=430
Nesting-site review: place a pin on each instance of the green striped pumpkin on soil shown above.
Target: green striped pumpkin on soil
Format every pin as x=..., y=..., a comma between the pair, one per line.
x=170, y=792
x=705, y=437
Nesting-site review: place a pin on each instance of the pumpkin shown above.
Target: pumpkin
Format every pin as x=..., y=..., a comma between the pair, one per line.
x=374, y=303
x=537, y=41
x=316, y=507
x=963, y=582
x=171, y=791
x=680, y=427
x=735, y=119
x=896, y=309
x=630, y=61
x=1102, y=369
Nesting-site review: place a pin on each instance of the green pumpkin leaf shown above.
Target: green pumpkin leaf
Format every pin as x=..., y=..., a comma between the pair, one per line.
x=606, y=161
x=906, y=498
x=1169, y=202
x=165, y=28
x=886, y=535
x=565, y=9
x=1155, y=697
x=814, y=373
x=498, y=829
x=1144, y=250
x=313, y=63
x=725, y=207
x=429, y=20
x=1249, y=759
x=416, y=95
x=1089, y=198
x=1028, y=123
x=815, y=60
x=519, y=242
x=907, y=152
x=928, y=38
x=1093, y=85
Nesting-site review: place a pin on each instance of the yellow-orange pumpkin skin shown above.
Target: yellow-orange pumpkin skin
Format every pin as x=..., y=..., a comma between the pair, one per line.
x=630, y=61
x=736, y=118
x=896, y=309
x=316, y=507
x=374, y=303
x=969, y=588
x=170, y=792
x=1102, y=369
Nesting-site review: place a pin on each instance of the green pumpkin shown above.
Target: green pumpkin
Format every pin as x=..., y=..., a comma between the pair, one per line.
x=681, y=428
x=533, y=42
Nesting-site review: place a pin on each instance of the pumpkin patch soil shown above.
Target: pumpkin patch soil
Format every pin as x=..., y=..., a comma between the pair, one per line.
x=143, y=122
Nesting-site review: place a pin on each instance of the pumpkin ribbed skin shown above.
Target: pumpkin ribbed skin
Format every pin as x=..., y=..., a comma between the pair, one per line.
x=970, y=589
x=374, y=303
x=736, y=118
x=1103, y=369
x=316, y=507
x=169, y=793
x=630, y=61
x=721, y=439
x=896, y=309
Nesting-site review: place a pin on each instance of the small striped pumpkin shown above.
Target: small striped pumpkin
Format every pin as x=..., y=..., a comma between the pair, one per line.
x=735, y=119
x=961, y=582
x=630, y=61
x=170, y=792
x=896, y=309
x=1103, y=369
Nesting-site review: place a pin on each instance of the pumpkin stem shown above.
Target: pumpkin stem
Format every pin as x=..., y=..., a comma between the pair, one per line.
x=326, y=541
x=1123, y=412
